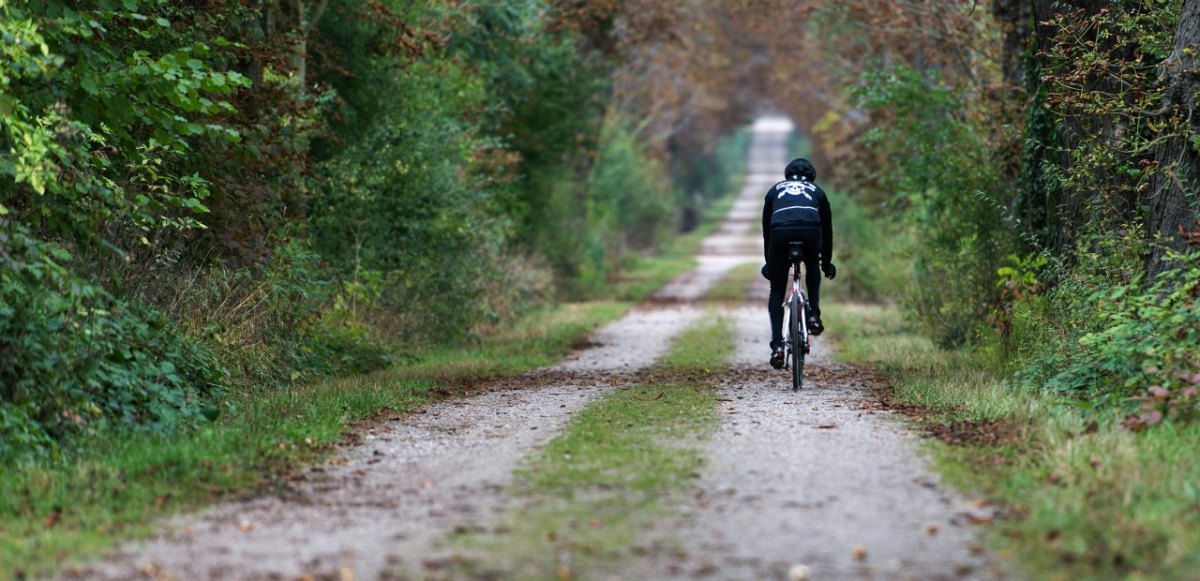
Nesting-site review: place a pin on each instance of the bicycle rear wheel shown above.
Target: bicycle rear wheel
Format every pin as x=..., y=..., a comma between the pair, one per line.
x=796, y=343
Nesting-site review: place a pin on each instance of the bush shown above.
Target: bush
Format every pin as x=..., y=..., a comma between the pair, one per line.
x=77, y=360
x=1136, y=344
x=944, y=183
x=871, y=254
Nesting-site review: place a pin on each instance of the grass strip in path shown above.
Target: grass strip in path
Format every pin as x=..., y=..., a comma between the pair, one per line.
x=1080, y=497
x=589, y=491
x=119, y=484
x=734, y=286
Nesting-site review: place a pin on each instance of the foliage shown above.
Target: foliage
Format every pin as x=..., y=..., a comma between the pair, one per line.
x=873, y=256
x=942, y=179
x=1139, y=345
x=78, y=361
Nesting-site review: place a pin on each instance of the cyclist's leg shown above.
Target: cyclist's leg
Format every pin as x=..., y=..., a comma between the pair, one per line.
x=777, y=267
x=812, y=278
x=779, y=285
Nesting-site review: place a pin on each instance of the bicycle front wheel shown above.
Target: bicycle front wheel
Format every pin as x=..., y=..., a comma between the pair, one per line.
x=796, y=343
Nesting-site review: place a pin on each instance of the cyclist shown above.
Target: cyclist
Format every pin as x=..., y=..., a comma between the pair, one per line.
x=796, y=209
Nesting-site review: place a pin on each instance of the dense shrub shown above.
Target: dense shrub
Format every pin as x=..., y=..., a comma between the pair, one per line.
x=943, y=183
x=1119, y=344
x=76, y=360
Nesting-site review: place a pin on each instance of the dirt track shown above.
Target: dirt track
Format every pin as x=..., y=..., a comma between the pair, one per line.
x=819, y=478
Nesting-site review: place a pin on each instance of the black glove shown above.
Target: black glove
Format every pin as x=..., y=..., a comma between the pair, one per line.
x=829, y=269
x=766, y=274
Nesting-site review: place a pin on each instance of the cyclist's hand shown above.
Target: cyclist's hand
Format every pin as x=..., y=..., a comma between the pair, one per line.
x=829, y=269
x=766, y=274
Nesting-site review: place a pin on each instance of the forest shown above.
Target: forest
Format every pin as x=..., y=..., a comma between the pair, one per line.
x=204, y=203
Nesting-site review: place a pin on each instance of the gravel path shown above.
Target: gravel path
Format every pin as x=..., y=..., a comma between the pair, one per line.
x=815, y=482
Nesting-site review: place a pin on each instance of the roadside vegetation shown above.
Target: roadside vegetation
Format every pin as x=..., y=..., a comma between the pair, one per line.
x=587, y=495
x=1077, y=495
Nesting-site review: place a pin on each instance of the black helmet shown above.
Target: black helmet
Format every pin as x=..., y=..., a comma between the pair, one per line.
x=800, y=168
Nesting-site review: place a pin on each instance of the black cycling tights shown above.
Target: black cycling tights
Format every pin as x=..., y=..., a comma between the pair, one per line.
x=777, y=267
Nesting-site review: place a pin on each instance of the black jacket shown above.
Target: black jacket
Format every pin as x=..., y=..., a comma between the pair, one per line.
x=798, y=204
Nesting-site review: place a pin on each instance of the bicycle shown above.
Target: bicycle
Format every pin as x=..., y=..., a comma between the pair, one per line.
x=796, y=307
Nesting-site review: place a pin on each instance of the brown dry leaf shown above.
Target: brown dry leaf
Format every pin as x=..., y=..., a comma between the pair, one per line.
x=336, y=461
x=426, y=483
x=245, y=526
x=859, y=552
x=979, y=520
x=162, y=499
x=931, y=529
x=345, y=574
x=564, y=573
x=827, y=427
x=53, y=518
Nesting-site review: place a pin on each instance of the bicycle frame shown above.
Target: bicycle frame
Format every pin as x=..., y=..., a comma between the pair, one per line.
x=798, y=291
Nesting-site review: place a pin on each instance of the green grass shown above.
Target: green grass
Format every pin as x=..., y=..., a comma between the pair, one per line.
x=1080, y=499
x=642, y=275
x=592, y=489
x=118, y=484
x=733, y=286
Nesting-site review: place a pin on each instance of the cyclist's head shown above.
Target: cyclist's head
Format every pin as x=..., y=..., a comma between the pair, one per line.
x=800, y=168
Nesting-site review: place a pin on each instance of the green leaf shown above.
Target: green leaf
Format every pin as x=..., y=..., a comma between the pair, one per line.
x=89, y=85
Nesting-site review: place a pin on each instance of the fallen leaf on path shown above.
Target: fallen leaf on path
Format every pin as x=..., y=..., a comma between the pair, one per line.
x=859, y=552
x=827, y=427
x=245, y=526
x=931, y=529
x=564, y=572
x=346, y=574
x=979, y=520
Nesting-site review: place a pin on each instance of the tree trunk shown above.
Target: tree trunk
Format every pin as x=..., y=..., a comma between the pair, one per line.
x=1172, y=199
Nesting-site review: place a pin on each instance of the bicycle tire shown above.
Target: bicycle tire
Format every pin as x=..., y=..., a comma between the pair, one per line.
x=796, y=343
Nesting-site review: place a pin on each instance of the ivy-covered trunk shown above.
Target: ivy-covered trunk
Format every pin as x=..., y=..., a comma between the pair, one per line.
x=1172, y=199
